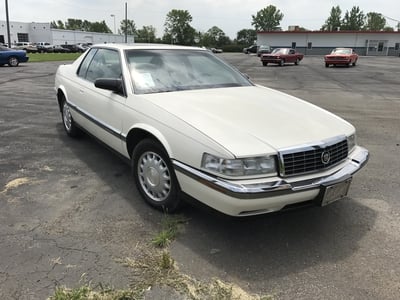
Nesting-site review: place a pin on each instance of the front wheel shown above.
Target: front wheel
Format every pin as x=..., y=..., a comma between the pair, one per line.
x=354, y=63
x=326, y=65
x=13, y=61
x=297, y=61
x=154, y=176
x=265, y=63
x=282, y=63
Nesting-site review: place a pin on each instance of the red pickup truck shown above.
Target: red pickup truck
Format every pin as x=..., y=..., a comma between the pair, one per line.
x=281, y=56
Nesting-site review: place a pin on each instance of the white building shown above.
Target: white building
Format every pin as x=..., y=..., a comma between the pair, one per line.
x=42, y=32
x=322, y=42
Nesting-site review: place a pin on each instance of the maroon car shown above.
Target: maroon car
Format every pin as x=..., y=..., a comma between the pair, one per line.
x=281, y=56
x=341, y=56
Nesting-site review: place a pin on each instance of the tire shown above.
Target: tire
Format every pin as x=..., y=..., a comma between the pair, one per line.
x=154, y=176
x=354, y=63
x=13, y=61
x=265, y=63
x=297, y=61
x=68, y=122
x=326, y=65
x=282, y=63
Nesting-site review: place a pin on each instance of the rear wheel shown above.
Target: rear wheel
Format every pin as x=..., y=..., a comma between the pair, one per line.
x=13, y=61
x=326, y=65
x=154, y=176
x=69, y=125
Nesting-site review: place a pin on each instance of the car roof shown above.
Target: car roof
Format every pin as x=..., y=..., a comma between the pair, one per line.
x=140, y=46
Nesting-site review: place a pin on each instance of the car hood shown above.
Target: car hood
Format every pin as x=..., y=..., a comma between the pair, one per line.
x=251, y=120
x=338, y=54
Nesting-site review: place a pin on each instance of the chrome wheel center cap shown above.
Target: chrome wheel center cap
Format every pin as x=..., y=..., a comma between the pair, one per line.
x=153, y=177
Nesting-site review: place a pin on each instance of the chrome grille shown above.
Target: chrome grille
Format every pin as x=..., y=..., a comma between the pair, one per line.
x=312, y=158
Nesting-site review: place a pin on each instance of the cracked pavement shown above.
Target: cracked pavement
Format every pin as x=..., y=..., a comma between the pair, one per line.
x=70, y=212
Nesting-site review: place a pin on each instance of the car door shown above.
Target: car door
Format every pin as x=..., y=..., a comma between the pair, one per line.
x=291, y=56
x=103, y=108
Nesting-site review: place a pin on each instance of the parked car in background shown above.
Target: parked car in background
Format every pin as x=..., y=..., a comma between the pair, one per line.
x=73, y=48
x=216, y=50
x=28, y=47
x=251, y=49
x=263, y=49
x=341, y=56
x=44, y=47
x=281, y=56
x=82, y=47
x=12, y=57
x=60, y=49
x=192, y=125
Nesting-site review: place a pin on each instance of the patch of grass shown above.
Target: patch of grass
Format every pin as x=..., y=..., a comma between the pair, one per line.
x=154, y=267
x=170, y=228
x=42, y=57
x=86, y=292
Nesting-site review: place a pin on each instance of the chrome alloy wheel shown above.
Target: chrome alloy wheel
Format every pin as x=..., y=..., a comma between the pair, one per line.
x=154, y=176
x=67, y=118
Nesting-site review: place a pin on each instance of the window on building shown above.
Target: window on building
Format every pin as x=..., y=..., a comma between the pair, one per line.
x=294, y=45
x=380, y=46
x=309, y=45
x=397, y=46
x=23, y=37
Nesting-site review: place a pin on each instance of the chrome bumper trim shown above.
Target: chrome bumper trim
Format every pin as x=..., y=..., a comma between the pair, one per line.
x=356, y=160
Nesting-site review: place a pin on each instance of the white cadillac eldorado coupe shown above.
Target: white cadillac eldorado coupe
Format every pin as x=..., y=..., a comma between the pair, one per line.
x=191, y=125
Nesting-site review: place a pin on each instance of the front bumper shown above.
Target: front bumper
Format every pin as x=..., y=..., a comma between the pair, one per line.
x=251, y=197
x=341, y=61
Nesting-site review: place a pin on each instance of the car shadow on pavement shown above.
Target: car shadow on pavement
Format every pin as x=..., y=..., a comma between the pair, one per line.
x=267, y=247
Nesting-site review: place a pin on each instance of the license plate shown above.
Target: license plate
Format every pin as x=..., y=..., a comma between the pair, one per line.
x=335, y=192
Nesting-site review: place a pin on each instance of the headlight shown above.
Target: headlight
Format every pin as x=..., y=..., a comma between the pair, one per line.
x=351, y=141
x=239, y=167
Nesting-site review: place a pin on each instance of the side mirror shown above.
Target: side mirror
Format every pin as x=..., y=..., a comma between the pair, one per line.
x=110, y=84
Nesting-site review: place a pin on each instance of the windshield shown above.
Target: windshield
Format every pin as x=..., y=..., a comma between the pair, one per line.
x=155, y=71
x=341, y=51
x=280, y=51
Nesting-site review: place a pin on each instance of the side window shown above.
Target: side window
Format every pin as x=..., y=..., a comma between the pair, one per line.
x=85, y=63
x=105, y=63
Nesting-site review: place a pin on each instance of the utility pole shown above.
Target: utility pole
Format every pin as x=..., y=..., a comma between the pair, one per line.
x=126, y=22
x=8, y=25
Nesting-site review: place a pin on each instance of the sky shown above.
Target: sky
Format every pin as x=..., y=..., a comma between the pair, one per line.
x=229, y=15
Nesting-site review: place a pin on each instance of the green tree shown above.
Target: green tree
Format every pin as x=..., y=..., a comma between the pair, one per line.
x=388, y=29
x=99, y=27
x=215, y=37
x=353, y=20
x=334, y=20
x=178, y=29
x=246, y=36
x=128, y=27
x=74, y=24
x=267, y=19
x=146, y=35
x=375, y=21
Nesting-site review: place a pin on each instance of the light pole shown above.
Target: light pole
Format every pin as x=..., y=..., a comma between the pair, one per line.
x=8, y=25
x=115, y=28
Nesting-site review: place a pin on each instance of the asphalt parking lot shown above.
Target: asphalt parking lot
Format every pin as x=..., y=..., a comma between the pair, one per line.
x=69, y=210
